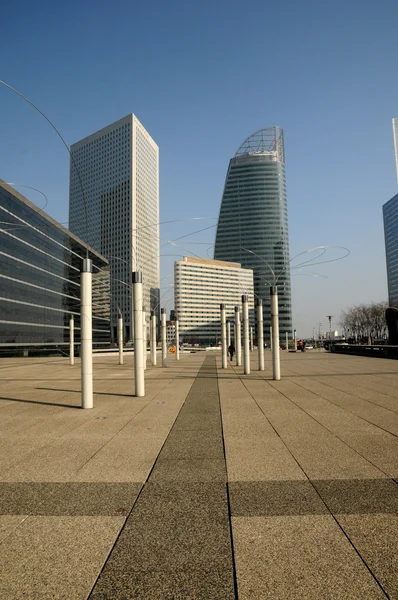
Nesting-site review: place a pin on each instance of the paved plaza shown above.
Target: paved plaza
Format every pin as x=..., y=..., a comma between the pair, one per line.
x=215, y=486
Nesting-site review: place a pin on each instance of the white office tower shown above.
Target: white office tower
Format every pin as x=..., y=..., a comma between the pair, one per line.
x=118, y=168
x=200, y=286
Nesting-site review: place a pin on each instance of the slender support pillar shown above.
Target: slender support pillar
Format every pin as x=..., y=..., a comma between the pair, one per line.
x=72, y=340
x=246, y=335
x=295, y=340
x=86, y=339
x=224, y=347
x=251, y=339
x=120, y=336
x=287, y=341
x=276, y=367
x=164, y=339
x=260, y=334
x=144, y=335
x=139, y=376
x=238, y=345
x=153, y=338
x=228, y=334
x=177, y=331
x=270, y=337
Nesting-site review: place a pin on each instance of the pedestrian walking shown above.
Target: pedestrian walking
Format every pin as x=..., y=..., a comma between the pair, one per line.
x=231, y=350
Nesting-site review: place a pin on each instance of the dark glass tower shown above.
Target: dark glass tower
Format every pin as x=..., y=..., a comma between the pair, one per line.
x=252, y=227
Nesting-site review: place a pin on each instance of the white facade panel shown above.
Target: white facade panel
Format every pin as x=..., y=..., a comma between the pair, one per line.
x=200, y=286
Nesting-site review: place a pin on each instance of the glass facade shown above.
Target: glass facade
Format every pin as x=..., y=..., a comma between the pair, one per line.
x=40, y=265
x=390, y=218
x=118, y=168
x=253, y=224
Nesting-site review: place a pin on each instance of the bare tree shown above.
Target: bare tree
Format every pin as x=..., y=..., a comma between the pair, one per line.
x=365, y=321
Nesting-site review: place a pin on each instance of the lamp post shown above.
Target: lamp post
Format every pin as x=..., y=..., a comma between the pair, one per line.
x=86, y=337
x=139, y=376
x=72, y=340
x=238, y=344
x=276, y=368
x=164, y=338
x=153, y=338
x=246, y=336
x=177, y=334
x=260, y=334
x=120, y=336
x=224, y=358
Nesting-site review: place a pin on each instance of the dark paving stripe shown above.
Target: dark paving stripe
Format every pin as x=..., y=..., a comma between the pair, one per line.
x=68, y=499
x=176, y=542
x=198, y=482
x=342, y=496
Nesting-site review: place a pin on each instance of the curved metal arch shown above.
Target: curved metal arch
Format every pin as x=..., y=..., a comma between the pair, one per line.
x=268, y=141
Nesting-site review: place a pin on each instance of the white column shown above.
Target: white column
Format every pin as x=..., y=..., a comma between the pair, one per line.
x=251, y=339
x=72, y=340
x=224, y=347
x=276, y=367
x=238, y=345
x=153, y=338
x=228, y=334
x=139, y=376
x=86, y=336
x=164, y=340
x=270, y=337
x=144, y=336
x=295, y=340
x=177, y=332
x=260, y=334
x=120, y=336
x=287, y=341
x=246, y=336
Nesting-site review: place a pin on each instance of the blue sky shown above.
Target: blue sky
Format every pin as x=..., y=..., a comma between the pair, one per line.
x=201, y=77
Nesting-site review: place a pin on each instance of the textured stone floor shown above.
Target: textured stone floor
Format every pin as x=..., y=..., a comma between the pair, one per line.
x=214, y=486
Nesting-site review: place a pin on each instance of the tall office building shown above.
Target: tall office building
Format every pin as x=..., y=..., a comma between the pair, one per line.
x=253, y=228
x=200, y=286
x=395, y=134
x=118, y=169
x=390, y=218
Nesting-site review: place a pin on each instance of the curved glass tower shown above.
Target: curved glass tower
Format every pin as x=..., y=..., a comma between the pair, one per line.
x=252, y=227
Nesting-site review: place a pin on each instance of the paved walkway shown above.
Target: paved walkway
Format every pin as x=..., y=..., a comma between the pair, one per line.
x=214, y=486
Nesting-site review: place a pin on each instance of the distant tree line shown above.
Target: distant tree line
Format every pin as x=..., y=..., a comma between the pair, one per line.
x=365, y=321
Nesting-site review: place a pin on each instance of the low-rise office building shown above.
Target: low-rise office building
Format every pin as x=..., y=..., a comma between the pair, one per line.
x=40, y=263
x=200, y=286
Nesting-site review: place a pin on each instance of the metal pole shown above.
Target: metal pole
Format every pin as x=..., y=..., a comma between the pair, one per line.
x=295, y=340
x=153, y=338
x=139, y=376
x=164, y=340
x=72, y=340
x=260, y=334
x=287, y=341
x=238, y=345
x=86, y=339
x=276, y=366
x=251, y=339
x=120, y=336
x=224, y=347
x=246, y=336
x=177, y=333
x=228, y=334
x=144, y=336
x=270, y=337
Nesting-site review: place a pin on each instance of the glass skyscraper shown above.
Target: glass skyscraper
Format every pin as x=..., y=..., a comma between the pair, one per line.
x=40, y=263
x=118, y=168
x=253, y=227
x=390, y=218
